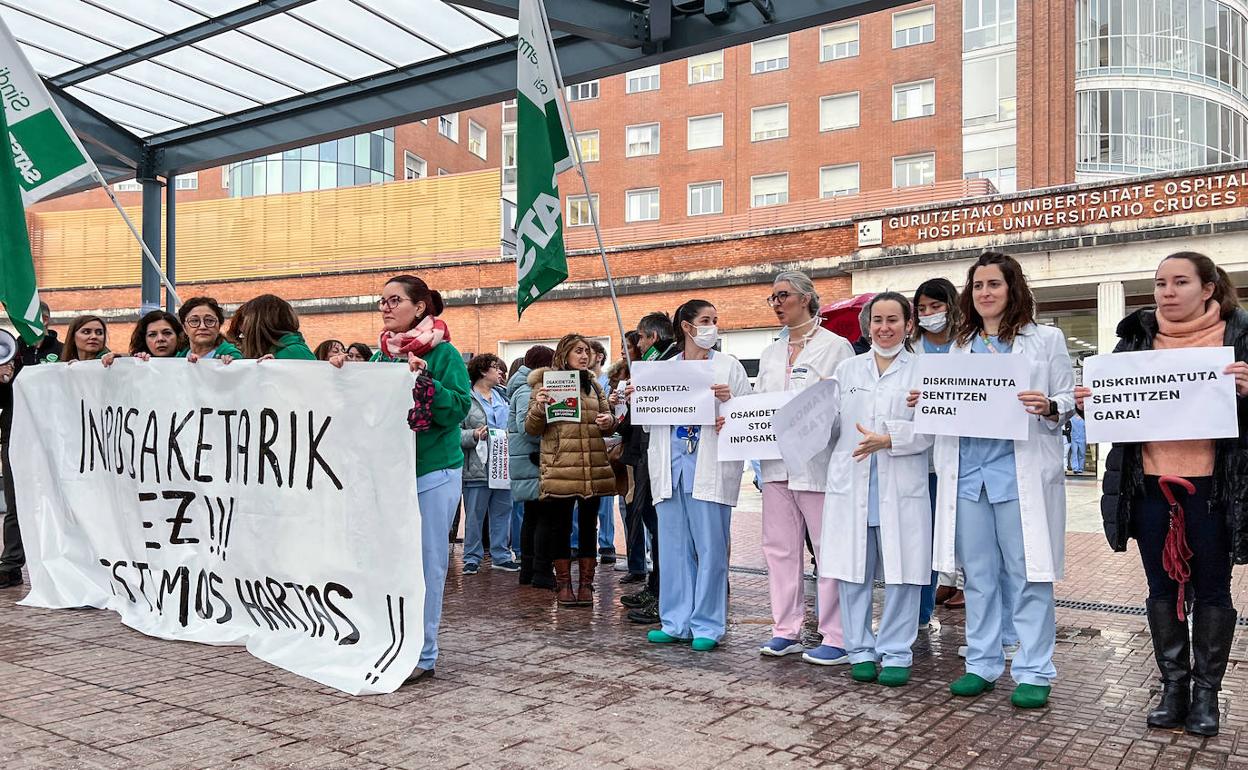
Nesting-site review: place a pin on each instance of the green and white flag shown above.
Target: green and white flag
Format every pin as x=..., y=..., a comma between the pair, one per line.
x=46, y=157
x=542, y=152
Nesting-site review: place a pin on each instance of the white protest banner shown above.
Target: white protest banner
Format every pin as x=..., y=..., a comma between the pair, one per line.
x=269, y=505
x=972, y=395
x=1160, y=395
x=564, y=389
x=804, y=425
x=500, y=457
x=747, y=433
x=673, y=392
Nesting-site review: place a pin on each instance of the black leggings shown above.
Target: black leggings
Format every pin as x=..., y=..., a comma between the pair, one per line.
x=554, y=528
x=1210, y=565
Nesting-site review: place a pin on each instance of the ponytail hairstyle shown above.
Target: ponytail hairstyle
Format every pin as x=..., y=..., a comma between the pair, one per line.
x=1223, y=287
x=418, y=291
x=1020, y=305
x=686, y=312
x=907, y=313
x=803, y=285
x=941, y=290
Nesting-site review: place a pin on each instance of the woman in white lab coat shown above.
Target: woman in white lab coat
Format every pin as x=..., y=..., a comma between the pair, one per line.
x=694, y=494
x=804, y=354
x=876, y=511
x=1001, y=505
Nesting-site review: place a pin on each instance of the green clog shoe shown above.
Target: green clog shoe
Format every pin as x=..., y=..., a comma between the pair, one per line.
x=894, y=676
x=863, y=672
x=658, y=636
x=1030, y=696
x=970, y=685
x=703, y=644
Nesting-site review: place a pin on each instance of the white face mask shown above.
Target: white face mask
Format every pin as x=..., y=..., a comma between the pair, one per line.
x=935, y=322
x=706, y=337
x=884, y=352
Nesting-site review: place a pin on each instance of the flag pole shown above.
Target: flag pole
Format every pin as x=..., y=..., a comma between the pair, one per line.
x=580, y=168
x=147, y=253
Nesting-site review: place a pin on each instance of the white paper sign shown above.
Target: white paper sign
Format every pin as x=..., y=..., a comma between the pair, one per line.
x=1160, y=395
x=804, y=425
x=972, y=395
x=269, y=505
x=621, y=406
x=673, y=393
x=500, y=459
x=747, y=433
x=564, y=389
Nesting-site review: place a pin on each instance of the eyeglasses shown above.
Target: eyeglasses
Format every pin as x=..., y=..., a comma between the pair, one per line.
x=779, y=298
x=207, y=322
x=390, y=303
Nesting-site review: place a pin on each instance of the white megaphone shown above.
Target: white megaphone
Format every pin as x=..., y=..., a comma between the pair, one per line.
x=8, y=347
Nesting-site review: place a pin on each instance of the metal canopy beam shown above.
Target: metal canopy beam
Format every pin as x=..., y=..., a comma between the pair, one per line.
x=618, y=22
x=116, y=151
x=161, y=45
x=481, y=76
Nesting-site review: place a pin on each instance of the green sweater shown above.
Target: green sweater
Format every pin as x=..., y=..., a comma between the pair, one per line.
x=226, y=348
x=292, y=346
x=438, y=448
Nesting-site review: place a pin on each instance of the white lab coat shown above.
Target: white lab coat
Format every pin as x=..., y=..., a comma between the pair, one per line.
x=713, y=481
x=1038, y=462
x=817, y=361
x=878, y=402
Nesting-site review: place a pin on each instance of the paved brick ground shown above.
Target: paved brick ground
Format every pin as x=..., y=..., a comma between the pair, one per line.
x=523, y=685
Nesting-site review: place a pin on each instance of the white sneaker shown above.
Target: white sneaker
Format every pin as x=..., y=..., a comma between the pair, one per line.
x=621, y=565
x=933, y=625
x=1008, y=649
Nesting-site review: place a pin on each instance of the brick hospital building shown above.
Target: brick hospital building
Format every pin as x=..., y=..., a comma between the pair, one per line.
x=872, y=153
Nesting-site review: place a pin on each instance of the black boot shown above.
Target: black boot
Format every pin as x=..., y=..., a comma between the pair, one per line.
x=1171, y=648
x=526, y=570
x=1213, y=628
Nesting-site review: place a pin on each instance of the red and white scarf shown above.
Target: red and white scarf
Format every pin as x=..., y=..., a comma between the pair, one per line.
x=422, y=338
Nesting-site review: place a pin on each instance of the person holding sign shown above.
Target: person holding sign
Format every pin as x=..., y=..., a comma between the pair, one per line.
x=876, y=510
x=487, y=410
x=203, y=320
x=1001, y=504
x=268, y=327
x=574, y=469
x=1196, y=307
x=694, y=494
x=412, y=332
x=86, y=339
x=158, y=334
x=804, y=354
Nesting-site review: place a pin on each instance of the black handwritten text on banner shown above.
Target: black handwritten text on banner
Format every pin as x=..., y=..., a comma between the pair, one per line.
x=272, y=505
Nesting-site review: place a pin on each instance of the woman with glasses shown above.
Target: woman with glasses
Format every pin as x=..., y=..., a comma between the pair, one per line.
x=158, y=334
x=268, y=327
x=804, y=354
x=203, y=319
x=573, y=472
x=694, y=494
x=487, y=410
x=413, y=333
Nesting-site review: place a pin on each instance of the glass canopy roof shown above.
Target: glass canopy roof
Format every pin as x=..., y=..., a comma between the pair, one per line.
x=306, y=47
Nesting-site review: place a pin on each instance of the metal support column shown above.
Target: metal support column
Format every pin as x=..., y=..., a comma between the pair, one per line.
x=171, y=246
x=150, y=293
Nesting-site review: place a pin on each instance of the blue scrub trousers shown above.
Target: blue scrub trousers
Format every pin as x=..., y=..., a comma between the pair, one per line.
x=438, y=493
x=927, y=598
x=517, y=522
x=606, y=525
x=479, y=502
x=693, y=553
x=897, y=631
x=989, y=546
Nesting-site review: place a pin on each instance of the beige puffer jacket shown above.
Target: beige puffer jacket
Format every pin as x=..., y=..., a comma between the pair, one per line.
x=573, y=456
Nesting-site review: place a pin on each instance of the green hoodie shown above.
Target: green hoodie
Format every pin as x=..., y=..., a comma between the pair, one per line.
x=226, y=348
x=292, y=347
x=438, y=447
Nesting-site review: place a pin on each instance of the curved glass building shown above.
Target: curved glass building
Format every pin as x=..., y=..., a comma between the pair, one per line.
x=1160, y=85
x=352, y=160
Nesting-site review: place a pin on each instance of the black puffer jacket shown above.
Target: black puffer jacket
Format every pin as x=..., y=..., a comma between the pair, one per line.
x=1124, y=466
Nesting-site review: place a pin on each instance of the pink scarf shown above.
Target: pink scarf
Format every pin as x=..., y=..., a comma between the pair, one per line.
x=422, y=338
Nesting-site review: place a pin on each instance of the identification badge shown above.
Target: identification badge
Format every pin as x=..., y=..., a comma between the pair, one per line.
x=798, y=377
